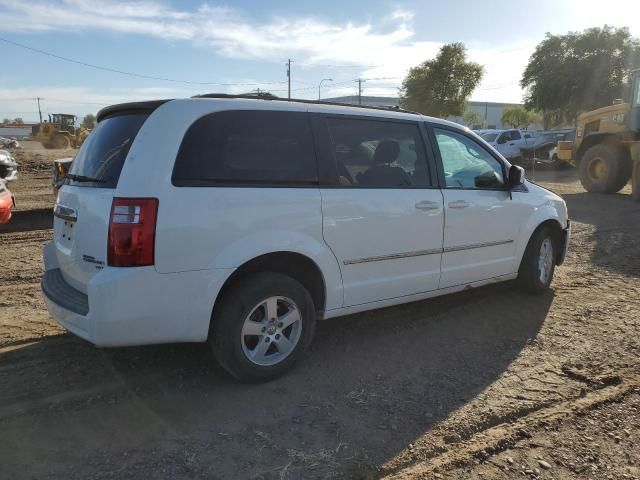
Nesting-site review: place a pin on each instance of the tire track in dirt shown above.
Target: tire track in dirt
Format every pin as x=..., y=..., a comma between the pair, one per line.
x=509, y=431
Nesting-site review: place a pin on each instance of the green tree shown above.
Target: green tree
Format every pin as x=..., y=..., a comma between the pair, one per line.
x=518, y=117
x=89, y=121
x=473, y=118
x=6, y=121
x=441, y=87
x=18, y=121
x=579, y=71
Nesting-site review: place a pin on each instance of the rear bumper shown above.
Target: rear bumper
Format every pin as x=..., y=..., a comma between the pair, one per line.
x=566, y=237
x=133, y=306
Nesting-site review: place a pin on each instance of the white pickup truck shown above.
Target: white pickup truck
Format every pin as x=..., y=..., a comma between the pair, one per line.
x=509, y=142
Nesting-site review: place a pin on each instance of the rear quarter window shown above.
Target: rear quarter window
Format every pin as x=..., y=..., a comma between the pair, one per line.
x=101, y=157
x=252, y=147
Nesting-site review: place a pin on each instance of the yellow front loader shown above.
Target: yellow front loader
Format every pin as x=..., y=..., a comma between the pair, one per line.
x=606, y=148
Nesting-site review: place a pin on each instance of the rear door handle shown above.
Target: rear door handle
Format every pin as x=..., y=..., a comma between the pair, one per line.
x=65, y=213
x=459, y=204
x=428, y=205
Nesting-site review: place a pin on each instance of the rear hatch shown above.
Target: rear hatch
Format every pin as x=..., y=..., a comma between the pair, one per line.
x=83, y=206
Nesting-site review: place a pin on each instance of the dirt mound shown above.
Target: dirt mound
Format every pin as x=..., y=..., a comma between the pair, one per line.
x=32, y=157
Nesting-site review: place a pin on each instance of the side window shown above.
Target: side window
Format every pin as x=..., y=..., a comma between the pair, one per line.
x=466, y=164
x=503, y=138
x=515, y=135
x=247, y=147
x=371, y=153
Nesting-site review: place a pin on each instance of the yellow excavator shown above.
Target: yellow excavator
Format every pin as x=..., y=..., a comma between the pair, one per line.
x=60, y=132
x=606, y=148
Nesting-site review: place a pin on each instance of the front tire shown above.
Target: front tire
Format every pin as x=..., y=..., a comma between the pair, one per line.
x=604, y=169
x=538, y=262
x=61, y=142
x=261, y=326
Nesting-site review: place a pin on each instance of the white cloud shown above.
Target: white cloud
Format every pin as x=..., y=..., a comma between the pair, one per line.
x=400, y=14
x=383, y=52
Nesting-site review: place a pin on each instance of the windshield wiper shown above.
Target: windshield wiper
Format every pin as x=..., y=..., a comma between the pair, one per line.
x=83, y=178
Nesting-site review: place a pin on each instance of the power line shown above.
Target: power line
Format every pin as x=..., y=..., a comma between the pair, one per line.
x=336, y=66
x=131, y=74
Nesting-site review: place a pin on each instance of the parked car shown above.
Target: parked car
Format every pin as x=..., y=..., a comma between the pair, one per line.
x=544, y=150
x=509, y=142
x=8, y=167
x=242, y=221
x=7, y=202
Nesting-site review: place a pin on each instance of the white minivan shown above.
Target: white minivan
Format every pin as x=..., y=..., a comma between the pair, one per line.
x=241, y=221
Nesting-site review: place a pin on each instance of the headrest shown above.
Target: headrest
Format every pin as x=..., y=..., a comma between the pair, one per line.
x=387, y=151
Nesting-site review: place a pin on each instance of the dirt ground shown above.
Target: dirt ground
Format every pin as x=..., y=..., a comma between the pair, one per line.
x=486, y=384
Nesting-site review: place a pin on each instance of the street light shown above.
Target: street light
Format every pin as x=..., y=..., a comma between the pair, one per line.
x=320, y=85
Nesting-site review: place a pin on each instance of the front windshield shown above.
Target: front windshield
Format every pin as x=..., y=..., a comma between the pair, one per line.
x=489, y=137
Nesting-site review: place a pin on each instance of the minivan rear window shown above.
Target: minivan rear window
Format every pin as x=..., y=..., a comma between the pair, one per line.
x=247, y=147
x=101, y=157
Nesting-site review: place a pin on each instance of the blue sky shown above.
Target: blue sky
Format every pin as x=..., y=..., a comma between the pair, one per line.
x=244, y=45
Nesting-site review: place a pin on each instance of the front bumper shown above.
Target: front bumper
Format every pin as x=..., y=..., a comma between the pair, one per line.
x=566, y=237
x=133, y=306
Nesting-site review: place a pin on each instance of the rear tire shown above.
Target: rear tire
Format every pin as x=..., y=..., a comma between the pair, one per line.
x=61, y=142
x=250, y=333
x=604, y=169
x=538, y=262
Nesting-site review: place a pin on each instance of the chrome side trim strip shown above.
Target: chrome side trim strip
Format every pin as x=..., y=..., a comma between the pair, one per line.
x=394, y=256
x=475, y=245
x=421, y=253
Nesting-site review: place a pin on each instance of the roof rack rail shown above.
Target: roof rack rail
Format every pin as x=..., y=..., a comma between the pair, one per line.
x=261, y=96
x=269, y=96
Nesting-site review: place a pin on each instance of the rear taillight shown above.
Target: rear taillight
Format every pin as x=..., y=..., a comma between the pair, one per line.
x=132, y=232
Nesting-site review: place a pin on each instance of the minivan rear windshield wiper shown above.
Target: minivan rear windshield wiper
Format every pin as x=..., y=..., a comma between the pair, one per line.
x=83, y=178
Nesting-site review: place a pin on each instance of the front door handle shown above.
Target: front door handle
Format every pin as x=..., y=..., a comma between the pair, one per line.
x=427, y=205
x=459, y=204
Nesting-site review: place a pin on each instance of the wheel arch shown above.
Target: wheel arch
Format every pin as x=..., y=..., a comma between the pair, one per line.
x=551, y=221
x=596, y=139
x=293, y=264
x=556, y=234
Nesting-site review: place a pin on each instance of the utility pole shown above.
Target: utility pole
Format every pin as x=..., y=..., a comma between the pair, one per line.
x=320, y=84
x=39, y=111
x=360, y=91
x=289, y=77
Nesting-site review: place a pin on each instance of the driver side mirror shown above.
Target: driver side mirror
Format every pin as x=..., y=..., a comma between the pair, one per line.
x=516, y=176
